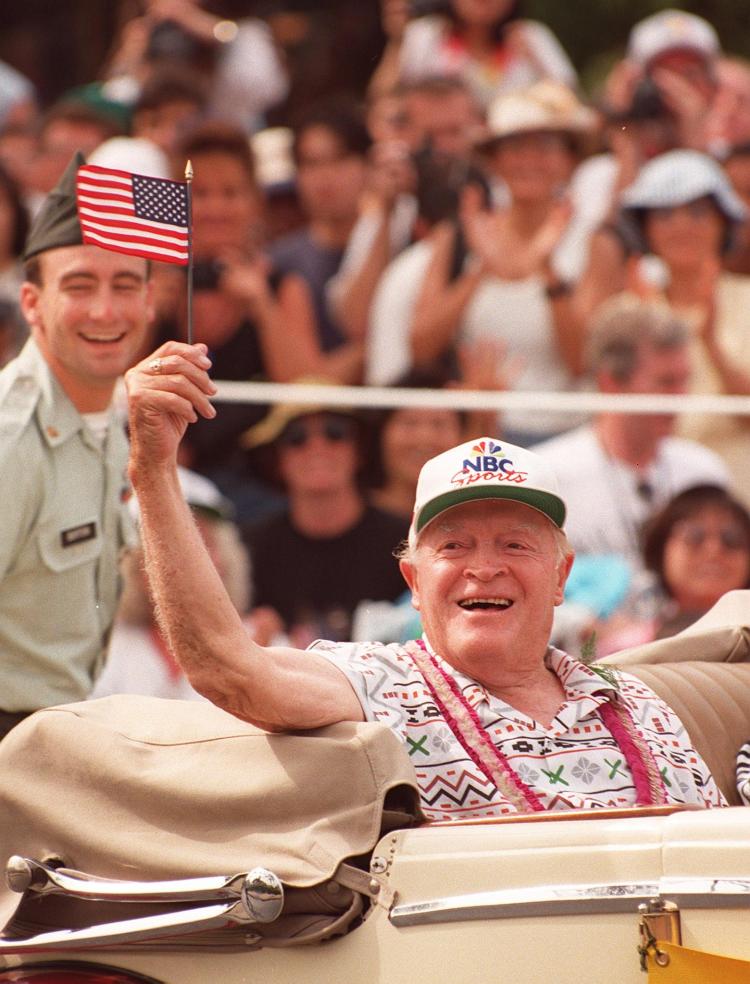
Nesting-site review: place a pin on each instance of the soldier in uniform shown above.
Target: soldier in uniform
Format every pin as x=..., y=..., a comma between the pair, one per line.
x=63, y=454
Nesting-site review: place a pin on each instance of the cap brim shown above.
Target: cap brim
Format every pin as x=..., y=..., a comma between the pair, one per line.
x=546, y=503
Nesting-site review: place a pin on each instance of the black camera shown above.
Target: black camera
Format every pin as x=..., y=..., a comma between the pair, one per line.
x=423, y=8
x=169, y=41
x=207, y=274
x=647, y=102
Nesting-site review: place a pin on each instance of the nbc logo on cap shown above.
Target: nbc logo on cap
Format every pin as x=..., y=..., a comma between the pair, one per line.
x=485, y=469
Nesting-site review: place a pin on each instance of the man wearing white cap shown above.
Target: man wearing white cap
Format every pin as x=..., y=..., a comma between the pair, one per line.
x=678, y=52
x=495, y=721
x=670, y=31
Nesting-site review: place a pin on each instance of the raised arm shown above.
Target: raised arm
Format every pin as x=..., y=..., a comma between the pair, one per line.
x=276, y=688
x=390, y=175
x=441, y=302
x=394, y=16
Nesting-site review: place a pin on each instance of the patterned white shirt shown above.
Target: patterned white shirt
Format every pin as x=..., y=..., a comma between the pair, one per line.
x=574, y=764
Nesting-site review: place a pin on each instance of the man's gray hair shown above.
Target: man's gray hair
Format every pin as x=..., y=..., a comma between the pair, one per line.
x=623, y=326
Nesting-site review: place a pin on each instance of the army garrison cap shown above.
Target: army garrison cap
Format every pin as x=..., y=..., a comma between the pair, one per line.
x=57, y=222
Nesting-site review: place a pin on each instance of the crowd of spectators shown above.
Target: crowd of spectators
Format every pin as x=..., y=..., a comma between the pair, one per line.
x=476, y=220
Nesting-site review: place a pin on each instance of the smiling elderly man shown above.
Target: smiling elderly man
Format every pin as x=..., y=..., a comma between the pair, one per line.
x=494, y=719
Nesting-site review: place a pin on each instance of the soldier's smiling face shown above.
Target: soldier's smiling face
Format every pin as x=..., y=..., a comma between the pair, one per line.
x=89, y=316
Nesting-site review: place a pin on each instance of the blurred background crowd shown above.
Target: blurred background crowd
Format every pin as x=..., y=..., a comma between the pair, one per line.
x=478, y=194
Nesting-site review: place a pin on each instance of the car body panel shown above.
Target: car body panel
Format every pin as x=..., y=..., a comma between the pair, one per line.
x=700, y=858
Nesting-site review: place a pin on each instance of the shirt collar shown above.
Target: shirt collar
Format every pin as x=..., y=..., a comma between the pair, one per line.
x=57, y=416
x=578, y=680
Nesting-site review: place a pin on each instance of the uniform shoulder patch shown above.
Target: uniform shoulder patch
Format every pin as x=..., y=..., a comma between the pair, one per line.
x=18, y=401
x=19, y=396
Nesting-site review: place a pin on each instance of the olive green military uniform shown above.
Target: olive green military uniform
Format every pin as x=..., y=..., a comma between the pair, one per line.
x=63, y=523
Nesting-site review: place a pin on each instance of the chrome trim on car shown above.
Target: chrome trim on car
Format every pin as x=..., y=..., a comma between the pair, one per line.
x=708, y=893
x=243, y=900
x=25, y=873
x=144, y=930
x=561, y=900
x=511, y=903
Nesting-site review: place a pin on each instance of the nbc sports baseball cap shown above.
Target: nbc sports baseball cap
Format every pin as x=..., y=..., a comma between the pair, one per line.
x=487, y=468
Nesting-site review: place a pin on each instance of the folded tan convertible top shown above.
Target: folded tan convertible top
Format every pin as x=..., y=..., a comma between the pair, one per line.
x=140, y=787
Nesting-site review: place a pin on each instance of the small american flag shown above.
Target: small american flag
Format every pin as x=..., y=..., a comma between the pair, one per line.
x=131, y=213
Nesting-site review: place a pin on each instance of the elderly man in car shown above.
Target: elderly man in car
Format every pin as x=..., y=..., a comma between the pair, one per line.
x=494, y=719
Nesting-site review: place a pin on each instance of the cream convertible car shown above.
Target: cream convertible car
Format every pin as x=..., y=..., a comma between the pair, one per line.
x=186, y=847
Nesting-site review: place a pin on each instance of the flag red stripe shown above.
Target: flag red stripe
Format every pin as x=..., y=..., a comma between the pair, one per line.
x=144, y=243
x=145, y=234
x=92, y=170
x=90, y=217
x=105, y=199
x=137, y=248
x=85, y=173
x=103, y=187
x=107, y=206
x=153, y=249
x=138, y=235
x=131, y=222
x=104, y=210
x=121, y=186
x=136, y=251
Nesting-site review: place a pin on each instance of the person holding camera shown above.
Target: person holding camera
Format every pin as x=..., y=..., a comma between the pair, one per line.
x=236, y=60
x=439, y=121
x=675, y=55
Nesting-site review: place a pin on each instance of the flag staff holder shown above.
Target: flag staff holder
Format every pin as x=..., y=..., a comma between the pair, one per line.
x=189, y=181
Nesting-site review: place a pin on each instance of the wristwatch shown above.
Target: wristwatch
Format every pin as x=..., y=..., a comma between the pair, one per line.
x=558, y=288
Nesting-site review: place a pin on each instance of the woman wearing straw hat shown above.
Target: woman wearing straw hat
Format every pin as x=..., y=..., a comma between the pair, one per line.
x=514, y=284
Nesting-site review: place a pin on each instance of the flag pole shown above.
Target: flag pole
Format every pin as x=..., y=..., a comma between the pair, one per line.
x=189, y=180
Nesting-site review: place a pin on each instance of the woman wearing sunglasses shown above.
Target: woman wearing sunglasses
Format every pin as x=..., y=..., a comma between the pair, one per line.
x=329, y=549
x=699, y=548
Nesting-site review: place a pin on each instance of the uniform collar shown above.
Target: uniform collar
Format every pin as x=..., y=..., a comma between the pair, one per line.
x=57, y=417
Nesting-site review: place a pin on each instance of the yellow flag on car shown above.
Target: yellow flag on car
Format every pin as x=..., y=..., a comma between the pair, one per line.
x=687, y=966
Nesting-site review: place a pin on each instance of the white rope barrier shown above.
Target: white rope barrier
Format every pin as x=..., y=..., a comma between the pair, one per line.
x=456, y=399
